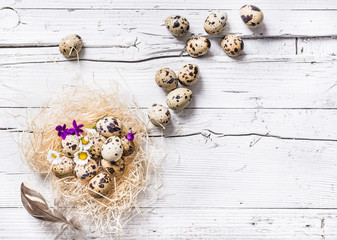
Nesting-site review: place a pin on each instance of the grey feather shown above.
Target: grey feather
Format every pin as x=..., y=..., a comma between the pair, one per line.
x=36, y=205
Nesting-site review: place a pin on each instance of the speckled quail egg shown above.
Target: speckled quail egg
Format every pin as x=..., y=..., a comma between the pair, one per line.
x=166, y=79
x=128, y=147
x=114, y=169
x=109, y=126
x=159, y=115
x=65, y=168
x=71, y=45
x=70, y=145
x=100, y=185
x=177, y=25
x=232, y=45
x=251, y=15
x=87, y=171
x=179, y=98
x=215, y=23
x=198, y=46
x=188, y=75
x=95, y=149
x=112, y=149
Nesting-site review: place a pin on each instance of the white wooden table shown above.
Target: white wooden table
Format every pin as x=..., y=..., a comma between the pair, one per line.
x=255, y=154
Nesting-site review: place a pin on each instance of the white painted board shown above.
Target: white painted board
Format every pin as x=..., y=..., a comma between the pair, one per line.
x=253, y=156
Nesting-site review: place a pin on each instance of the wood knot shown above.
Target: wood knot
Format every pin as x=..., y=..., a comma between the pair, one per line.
x=9, y=18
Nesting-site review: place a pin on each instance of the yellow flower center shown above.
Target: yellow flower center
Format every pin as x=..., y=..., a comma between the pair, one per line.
x=84, y=141
x=54, y=155
x=82, y=155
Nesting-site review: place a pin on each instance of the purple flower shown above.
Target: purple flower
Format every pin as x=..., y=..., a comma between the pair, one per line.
x=76, y=129
x=62, y=131
x=130, y=135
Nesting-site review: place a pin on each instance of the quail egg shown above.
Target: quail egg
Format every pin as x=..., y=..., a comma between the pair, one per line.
x=198, y=46
x=159, y=115
x=114, y=169
x=177, y=25
x=71, y=45
x=215, y=23
x=109, y=126
x=232, y=45
x=166, y=79
x=251, y=15
x=100, y=185
x=70, y=145
x=95, y=149
x=188, y=75
x=128, y=147
x=87, y=171
x=112, y=149
x=65, y=168
x=179, y=98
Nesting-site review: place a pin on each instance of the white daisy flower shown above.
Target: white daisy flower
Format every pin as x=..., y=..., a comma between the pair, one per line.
x=81, y=157
x=85, y=143
x=92, y=132
x=54, y=157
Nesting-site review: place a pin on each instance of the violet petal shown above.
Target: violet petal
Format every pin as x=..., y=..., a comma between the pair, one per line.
x=71, y=131
x=64, y=135
x=74, y=124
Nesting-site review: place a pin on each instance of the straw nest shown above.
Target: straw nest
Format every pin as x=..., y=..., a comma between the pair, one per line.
x=111, y=212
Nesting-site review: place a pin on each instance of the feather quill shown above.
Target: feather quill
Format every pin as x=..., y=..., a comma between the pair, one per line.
x=36, y=206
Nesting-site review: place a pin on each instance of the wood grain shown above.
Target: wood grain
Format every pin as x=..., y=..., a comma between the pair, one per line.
x=203, y=223
x=174, y=4
x=114, y=28
x=253, y=157
x=301, y=124
x=141, y=51
x=244, y=171
x=317, y=46
x=249, y=82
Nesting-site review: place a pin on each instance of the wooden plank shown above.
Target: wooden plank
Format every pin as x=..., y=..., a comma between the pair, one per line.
x=142, y=51
x=202, y=223
x=250, y=82
x=230, y=173
x=174, y=4
x=225, y=171
x=115, y=28
x=317, y=46
x=146, y=50
x=314, y=124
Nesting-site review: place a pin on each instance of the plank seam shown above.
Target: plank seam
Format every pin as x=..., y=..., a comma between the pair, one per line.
x=219, y=207
x=165, y=57
x=175, y=9
x=207, y=133
x=135, y=44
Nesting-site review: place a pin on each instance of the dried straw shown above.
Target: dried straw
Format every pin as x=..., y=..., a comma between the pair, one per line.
x=111, y=212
